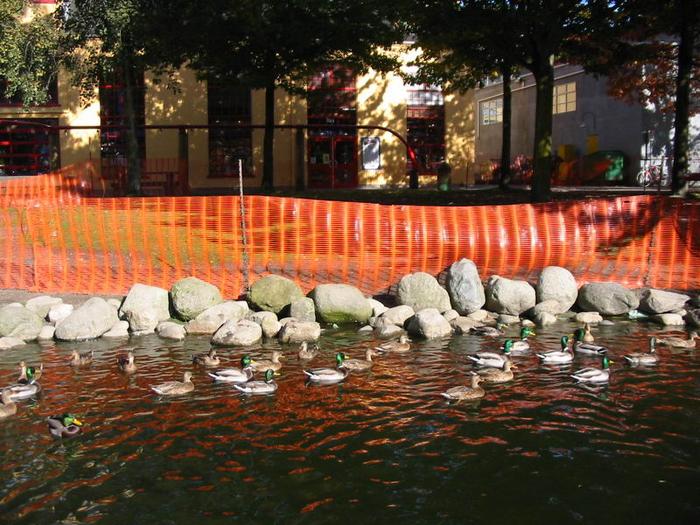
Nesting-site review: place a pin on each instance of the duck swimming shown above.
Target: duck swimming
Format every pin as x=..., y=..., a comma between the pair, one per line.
x=209, y=359
x=582, y=347
x=492, y=359
x=644, y=358
x=235, y=375
x=677, y=342
x=488, y=331
x=29, y=374
x=126, y=364
x=20, y=392
x=305, y=353
x=359, y=365
x=522, y=346
x=175, y=388
x=462, y=393
x=77, y=359
x=594, y=375
x=558, y=357
x=64, y=426
x=273, y=364
x=268, y=386
x=401, y=346
x=497, y=375
x=8, y=407
x=328, y=376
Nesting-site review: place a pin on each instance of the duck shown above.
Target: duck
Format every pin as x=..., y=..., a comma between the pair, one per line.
x=359, y=365
x=497, y=375
x=488, y=331
x=175, y=388
x=558, y=357
x=126, y=364
x=644, y=358
x=64, y=426
x=328, y=376
x=462, y=393
x=235, y=375
x=268, y=386
x=8, y=407
x=29, y=374
x=273, y=364
x=582, y=347
x=677, y=342
x=401, y=346
x=594, y=375
x=522, y=345
x=77, y=359
x=19, y=392
x=210, y=359
x=304, y=353
x=588, y=336
x=492, y=359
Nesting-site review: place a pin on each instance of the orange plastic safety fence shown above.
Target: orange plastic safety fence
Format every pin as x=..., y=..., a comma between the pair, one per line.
x=53, y=238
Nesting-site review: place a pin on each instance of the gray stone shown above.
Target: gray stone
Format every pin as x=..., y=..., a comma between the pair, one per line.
x=682, y=312
x=372, y=321
x=693, y=317
x=42, y=304
x=273, y=293
x=508, y=319
x=303, y=309
x=120, y=329
x=557, y=284
x=171, y=330
x=144, y=307
x=654, y=301
x=299, y=331
x=669, y=319
x=606, y=322
x=212, y=318
x=59, y=312
x=20, y=322
x=607, y=298
x=10, y=342
x=463, y=324
x=377, y=307
x=589, y=317
x=191, y=296
x=544, y=319
x=479, y=315
x=267, y=321
x=421, y=290
x=89, y=321
x=450, y=314
x=397, y=315
x=527, y=323
x=430, y=324
x=367, y=329
x=285, y=320
x=116, y=303
x=506, y=296
x=340, y=303
x=550, y=306
x=238, y=332
x=464, y=287
x=388, y=331
x=47, y=332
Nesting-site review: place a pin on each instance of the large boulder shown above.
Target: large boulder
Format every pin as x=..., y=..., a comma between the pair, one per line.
x=171, y=330
x=464, y=287
x=294, y=331
x=430, y=324
x=421, y=290
x=46, y=333
x=660, y=301
x=589, y=317
x=506, y=296
x=273, y=292
x=268, y=322
x=378, y=308
x=669, y=319
x=10, y=342
x=144, y=307
x=209, y=321
x=550, y=306
x=89, y=321
x=19, y=322
x=42, y=304
x=557, y=284
x=397, y=315
x=120, y=329
x=463, y=324
x=303, y=309
x=340, y=303
x=607, y=298
x=59, y=312
x=239, y=332
x=191, y=296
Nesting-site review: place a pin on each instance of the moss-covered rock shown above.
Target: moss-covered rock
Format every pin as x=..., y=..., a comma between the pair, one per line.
x=272, y=293
x=191, y=296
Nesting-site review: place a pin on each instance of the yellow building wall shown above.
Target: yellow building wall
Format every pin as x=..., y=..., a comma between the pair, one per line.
x=460, y=136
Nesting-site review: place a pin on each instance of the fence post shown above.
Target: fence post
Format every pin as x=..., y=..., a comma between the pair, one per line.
x=183, y=162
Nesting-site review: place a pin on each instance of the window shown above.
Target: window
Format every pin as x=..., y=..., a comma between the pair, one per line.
x=332, y=99
x=229, y=148
x=113, y=113
x=564, y=98
x=26, y=149
x=425, y=119
x=492, y=111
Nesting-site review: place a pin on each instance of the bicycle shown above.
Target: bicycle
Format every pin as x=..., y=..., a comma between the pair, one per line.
x=652, y=175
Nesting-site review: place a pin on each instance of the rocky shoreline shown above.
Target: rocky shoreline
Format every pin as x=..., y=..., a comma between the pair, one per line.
x=277, y=308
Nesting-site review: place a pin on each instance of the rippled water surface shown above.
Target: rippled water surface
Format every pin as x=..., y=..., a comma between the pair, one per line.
x=379, y=448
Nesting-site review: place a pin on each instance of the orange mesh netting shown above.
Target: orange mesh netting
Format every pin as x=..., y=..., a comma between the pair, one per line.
x=55, y=239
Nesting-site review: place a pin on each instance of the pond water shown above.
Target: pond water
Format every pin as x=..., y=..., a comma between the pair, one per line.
x=379, y=448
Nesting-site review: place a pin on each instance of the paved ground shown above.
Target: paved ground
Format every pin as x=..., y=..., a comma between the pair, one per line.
x=21, y=296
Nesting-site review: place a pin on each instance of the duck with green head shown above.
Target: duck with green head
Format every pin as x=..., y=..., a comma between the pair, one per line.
x=584, y=348
x=328, y=376
x=522, y=345
x=19, y=392
x=29, y=374
x=268, y=386
x=594, y=375
x=558, y=357
x=64, y=426
x=466, y=393
x=649, y=358
x=235, y=375
x=492, y=359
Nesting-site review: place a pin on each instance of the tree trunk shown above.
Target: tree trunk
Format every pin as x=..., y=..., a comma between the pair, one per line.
x=132, y=144
x=687, y=15
x=505, y=174
x=542, y=156
x=268, y=181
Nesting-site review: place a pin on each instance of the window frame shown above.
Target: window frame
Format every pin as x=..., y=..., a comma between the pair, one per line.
x=564, y=98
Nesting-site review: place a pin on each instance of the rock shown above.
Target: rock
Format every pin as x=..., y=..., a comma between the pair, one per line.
x=606, y=322
x=607, y=298
x=191, y=296
x=397, y=315
x=660, y=301
x=299, y=331
x=171, y=330
x=508, y=319
x=557, y=284
x=479, y=315
x=367, y=329
x=693, y=317
x=527, y=323
x=544, y=318
x=144, y=307
x=120, y=329
x=285, y=320
x=10, y=342
x=59, y=312
x=430, y=324
x=589, y=317
x=669, y=319
x=238, y=332
x=550, y=306
x=47, y=332
x=421, y=290
x=463, y=324
x=450, y=314
x=388, y=331
x=377, y=307
x=42, y=304
x=464, y=287
x=303, y=309
x=340, y=303
x=372, y=321
x=211, y=319
x=273, y=292
x=682, y=312
x=506, y=296
x=89, y=321
x=20, y=322
x=116, y=303
x=268, y=322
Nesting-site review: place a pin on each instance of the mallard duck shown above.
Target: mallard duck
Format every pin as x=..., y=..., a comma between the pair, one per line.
x=565, y=355
x=403, y=345
x=492, y=359
x=235, y=375
x=77, y=359
x=328, y=376
x=488, y=331
x=359, y=365
x=209, y=359
x=644, y=358
x=264, y=364
x=522, y=346
x=259, y=387
x=462, y=393
x=594, y=375
x=175, y=388
x=8, y=407
x=29, y=374
x=20, y=392
x=586, y=348
x=305, y=353
x=588, y=336
x=497, y=375
x=64, y=426
x=126, y=363
x=677, y=342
